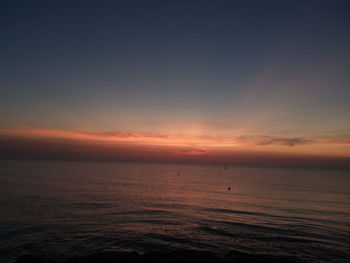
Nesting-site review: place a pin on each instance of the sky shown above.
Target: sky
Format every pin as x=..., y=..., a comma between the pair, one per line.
x=246, y=82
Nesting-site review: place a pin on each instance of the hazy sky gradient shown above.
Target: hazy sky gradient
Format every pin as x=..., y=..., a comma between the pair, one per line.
x=271, y=70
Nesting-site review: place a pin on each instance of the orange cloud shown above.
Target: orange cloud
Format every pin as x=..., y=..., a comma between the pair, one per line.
x=192, y=152
x=202, y=142
x=45, y=148
x=257, y=150
x=104, y=136
x=126, y=137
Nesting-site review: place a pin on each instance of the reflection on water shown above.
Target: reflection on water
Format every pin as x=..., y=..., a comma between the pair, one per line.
x=56, y=208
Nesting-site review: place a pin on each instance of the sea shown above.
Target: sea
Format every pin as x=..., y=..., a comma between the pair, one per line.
x=60, y=209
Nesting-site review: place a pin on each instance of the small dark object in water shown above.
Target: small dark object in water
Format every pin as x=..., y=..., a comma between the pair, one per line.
x=229, y=188
x=225, y=166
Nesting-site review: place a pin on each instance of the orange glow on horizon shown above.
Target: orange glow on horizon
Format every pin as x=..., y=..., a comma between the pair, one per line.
x=127, y=137
x=196, y=143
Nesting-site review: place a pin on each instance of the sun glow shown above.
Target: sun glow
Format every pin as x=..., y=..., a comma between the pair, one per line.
x=194, y=141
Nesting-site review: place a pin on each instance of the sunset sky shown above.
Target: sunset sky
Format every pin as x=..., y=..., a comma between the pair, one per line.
x=208, y=81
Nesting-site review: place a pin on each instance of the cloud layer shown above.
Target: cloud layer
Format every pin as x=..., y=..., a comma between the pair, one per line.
x=35, y=148
x=271, y=140
x=179, y=140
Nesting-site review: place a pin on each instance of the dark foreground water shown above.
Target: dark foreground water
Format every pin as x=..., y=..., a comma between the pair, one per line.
x=58, y=208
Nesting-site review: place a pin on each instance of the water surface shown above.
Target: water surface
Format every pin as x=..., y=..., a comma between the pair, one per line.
x=72, y=208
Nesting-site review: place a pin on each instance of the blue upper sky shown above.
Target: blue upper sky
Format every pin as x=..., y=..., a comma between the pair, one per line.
x=268, y=66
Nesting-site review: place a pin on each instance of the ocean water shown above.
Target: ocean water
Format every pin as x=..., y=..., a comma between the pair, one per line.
x=75, y=208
